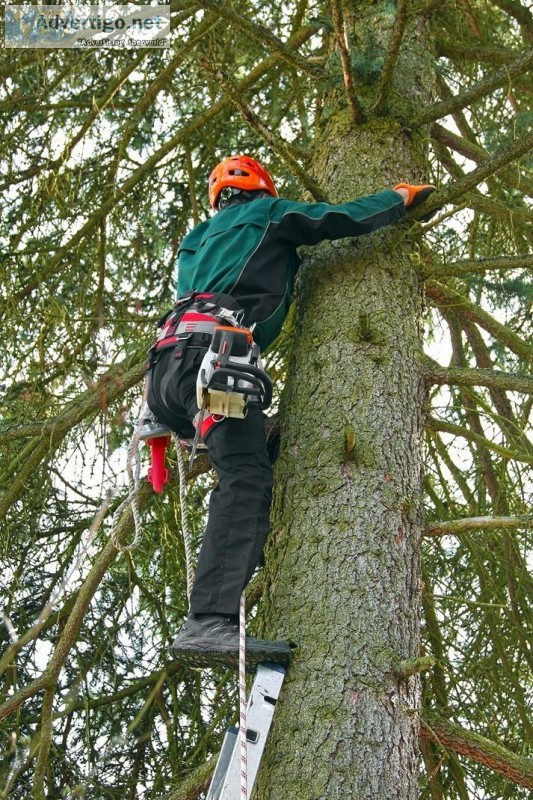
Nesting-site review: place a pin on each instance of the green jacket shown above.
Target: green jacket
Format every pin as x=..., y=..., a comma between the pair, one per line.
x=249, y=250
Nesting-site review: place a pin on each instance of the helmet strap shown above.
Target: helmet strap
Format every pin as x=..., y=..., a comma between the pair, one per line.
x=227, y=196
x=230, y=195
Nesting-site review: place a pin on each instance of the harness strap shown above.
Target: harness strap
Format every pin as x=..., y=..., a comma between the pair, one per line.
x=190, y=322
x=194, y=313
x=208, y=422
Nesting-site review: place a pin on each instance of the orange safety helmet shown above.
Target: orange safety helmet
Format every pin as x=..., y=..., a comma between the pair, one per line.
x=241, y=172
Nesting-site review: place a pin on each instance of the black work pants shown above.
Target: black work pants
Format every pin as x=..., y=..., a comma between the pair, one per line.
x=239, y=506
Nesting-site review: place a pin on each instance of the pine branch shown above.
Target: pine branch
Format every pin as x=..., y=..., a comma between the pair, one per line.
x=440, y=452
x=455, y=190
x=452, y=737
x=132, y=688
x=459, y=268
x=195, y=213
x=263, y=36
x=14, y=701
x=457, y=430
x=479, y=90
x=75, y=619
x=432, y=765
x=277, y=144
x=517, y=219
x=356, y=111
x=195, y=783
x=467, y=145
x=25, y=59
x=462, y=376
x=505, y=418
x=58, y=595
x=459, y=117
x=437, y=677
x=97, y=106
x=446, y=297
x=387, y=74
x=480, y=54
x=470, y=402
x=110, y=386
x=137, y=114
x=462, y=601
x=118, y=195
x=45, y=740
x=521, y=14
x=479, y=155
x=13, y=432
x=458, y=526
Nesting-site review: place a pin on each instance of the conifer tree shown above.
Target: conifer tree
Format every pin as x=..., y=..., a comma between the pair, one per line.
x=401, y=524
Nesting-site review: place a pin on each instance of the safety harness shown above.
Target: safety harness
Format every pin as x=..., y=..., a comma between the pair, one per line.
x=231, y=374
x=192, y=317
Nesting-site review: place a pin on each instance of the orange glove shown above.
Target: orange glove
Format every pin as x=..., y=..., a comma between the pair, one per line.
x=417, y=195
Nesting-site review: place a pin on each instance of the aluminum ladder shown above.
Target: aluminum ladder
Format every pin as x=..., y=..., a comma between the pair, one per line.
x=266, y=688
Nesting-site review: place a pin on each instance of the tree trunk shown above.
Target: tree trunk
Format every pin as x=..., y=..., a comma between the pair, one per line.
x=343, y=577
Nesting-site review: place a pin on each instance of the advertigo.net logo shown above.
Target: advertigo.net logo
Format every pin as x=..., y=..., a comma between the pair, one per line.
x=87, y=26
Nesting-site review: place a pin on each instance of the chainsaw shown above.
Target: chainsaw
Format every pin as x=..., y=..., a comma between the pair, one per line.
x=231, y=374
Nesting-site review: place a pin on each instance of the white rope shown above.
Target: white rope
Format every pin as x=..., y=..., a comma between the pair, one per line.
x=134, y=484
x=184, y=523
x=243, y=730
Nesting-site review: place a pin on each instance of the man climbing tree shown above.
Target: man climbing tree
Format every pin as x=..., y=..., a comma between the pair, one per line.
x=247, y=255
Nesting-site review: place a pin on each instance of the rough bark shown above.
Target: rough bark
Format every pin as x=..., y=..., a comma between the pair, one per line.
x=343, y=577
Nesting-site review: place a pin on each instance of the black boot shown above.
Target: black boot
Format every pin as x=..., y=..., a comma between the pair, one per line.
x=214, y=641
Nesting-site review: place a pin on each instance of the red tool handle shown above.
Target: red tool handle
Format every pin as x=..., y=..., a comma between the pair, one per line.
x=158, y=474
